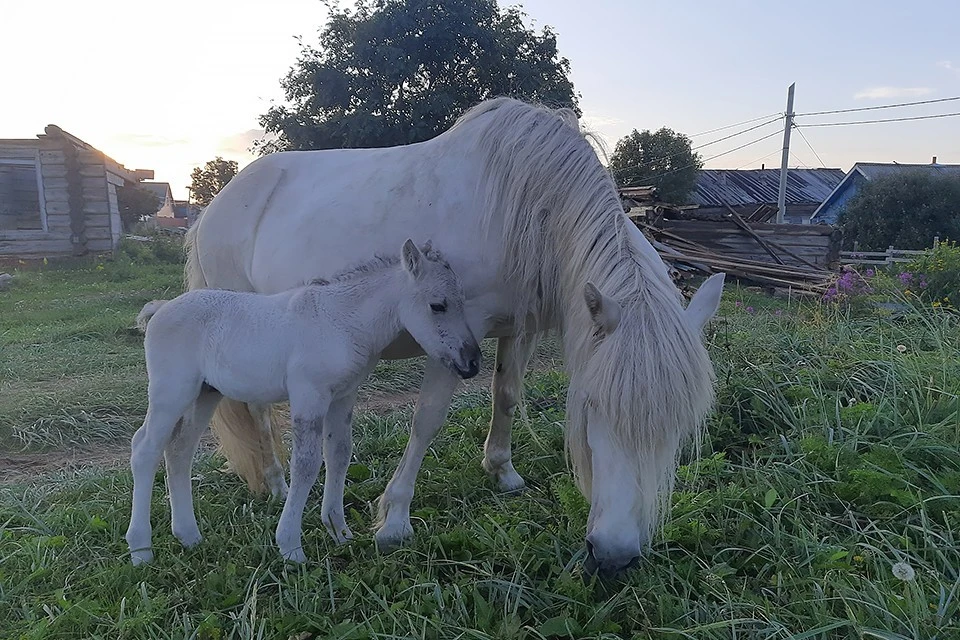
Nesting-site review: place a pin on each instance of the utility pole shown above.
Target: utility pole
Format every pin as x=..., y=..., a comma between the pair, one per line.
x=787, y=126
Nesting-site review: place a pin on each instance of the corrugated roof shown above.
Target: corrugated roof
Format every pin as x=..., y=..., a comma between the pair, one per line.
x=716, y=187
x=872, y=170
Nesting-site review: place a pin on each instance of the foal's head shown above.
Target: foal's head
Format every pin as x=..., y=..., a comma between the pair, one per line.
x=432, y=310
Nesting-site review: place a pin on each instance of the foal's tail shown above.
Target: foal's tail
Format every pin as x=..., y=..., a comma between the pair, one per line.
x=248, y=447
x=147, y=312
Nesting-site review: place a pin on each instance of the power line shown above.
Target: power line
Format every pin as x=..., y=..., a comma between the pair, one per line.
x=736, y=124
x=734, y=135
x=843, y=124
x=822, y=163
x=772, y=153
x=882, y=106
x=719, y=155
x=707, y=144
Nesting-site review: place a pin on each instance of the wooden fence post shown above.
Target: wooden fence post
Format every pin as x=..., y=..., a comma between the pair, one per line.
x=936, y=241
x=890, y=255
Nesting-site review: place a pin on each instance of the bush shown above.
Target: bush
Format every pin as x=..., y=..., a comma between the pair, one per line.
x=935, y=275
x=162, y=248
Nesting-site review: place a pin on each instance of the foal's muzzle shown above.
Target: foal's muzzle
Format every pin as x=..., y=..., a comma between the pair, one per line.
x=469, y=361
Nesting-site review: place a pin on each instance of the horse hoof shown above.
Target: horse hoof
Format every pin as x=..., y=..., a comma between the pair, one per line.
x=141, y=557
x=392, y=539
x=189, y=538
x=342, y=535
x=511, y=482
x=296, y=556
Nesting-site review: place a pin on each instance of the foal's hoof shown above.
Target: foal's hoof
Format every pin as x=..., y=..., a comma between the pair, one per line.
x=295, y=555
x=341, y=535
x=392, y=538
x=189, y=539
x=141, y=557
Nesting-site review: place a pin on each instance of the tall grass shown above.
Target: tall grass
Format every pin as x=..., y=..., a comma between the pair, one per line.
x=825, y=504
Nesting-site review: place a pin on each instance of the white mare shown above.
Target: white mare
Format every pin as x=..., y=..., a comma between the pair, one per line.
x=527, y=215
x=313, y=345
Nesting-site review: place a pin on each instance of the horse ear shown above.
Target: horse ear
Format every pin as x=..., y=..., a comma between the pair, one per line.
x=604, y=311
x=411, y=257
x=706, y=301
x=427, y=246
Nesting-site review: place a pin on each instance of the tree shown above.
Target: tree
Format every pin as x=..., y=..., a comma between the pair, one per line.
x=135, y=202
x=905, y=210
x=664, y=159
x=401, y=71
x=209, y=180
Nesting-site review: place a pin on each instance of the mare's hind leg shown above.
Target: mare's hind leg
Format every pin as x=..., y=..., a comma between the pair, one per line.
x=513, y=355
x=146, y=449
x=272, y=469
x=436, y=391
x=179, y=459
x=337, y=448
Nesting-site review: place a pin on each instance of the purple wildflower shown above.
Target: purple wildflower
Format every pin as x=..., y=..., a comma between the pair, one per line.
x=778, y=312
x=738, y=304
x=749, y=309
x=870, y=273
x=906, y=277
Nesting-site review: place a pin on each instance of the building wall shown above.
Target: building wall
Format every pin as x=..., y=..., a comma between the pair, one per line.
x=76, y=212
x=831, y=212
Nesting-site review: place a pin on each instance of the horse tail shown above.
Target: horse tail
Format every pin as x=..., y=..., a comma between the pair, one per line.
x=147, y=312
x=247, y=446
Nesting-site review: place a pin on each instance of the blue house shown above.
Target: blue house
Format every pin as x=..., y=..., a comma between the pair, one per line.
x=863, y=172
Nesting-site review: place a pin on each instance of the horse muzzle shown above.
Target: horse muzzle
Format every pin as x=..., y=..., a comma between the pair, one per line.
x=608, y=564
x=468, y=364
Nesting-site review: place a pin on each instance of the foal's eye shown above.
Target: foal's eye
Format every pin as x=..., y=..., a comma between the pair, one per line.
x=439, y=307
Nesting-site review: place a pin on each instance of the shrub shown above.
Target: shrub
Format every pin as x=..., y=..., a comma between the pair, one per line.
x=935, y=274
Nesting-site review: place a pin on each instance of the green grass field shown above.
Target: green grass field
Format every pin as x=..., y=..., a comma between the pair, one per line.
x=825, y=503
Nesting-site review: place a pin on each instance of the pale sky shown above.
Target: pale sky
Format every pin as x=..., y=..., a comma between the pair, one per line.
x=168, y=86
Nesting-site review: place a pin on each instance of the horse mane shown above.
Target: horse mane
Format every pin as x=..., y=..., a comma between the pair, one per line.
x=373, y=265
x=563, y=225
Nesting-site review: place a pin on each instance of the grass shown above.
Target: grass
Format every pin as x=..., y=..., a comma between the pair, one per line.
x=832, y=456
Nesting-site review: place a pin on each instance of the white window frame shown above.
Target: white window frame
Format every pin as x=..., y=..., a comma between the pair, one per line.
x=27, y=161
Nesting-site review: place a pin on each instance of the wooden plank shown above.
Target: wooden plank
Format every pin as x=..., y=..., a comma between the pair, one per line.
x=53, y=157
x=92, y=171
x=95, y=208
x=51, y=170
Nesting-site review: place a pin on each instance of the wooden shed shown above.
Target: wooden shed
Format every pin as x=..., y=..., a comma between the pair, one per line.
x=58, y=197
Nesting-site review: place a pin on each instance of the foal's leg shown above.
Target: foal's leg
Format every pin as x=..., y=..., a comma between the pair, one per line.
x=146, y=449
x=272, y=469
x=308, y=412
x=513, y=355
x=337, y=448
x=436, y=391
x=179, y=460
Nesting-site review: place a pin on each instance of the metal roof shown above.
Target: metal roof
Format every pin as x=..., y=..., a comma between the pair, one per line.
x=873, y=170
x=716, y=187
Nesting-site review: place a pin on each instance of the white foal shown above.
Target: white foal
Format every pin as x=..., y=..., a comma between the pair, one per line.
x=313, y=346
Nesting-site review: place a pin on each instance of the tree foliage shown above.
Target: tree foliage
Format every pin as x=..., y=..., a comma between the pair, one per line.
x=135, y=202
x=663, y=158
x=395, y=72
x=207, y=181
x=904, y=210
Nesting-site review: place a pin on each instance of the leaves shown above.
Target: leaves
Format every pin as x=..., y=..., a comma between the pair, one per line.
x=211, y=179
x=664, y=159
x=401, y=71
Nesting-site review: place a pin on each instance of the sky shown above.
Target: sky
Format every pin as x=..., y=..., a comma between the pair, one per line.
x=168, y=86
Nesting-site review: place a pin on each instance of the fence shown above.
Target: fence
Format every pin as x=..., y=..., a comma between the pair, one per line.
x=888, y=257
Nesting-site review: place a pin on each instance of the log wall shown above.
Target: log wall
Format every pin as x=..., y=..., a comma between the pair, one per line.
x=819, y=244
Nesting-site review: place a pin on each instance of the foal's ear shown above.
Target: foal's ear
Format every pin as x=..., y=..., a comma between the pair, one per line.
x=411, y=257
x=604, y=310
x=705, y=301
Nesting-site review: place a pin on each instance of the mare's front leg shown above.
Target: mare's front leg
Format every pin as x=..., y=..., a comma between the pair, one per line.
x=308, y=411
x=337, y=449
x=513, y=355
x=436, y=391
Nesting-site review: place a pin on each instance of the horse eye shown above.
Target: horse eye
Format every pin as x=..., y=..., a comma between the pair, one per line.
x=440, y=307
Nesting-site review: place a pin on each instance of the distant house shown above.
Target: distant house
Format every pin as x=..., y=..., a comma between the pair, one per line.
x=164, y=198
x=58, y=196
x=863, y=172
x=748, y=191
